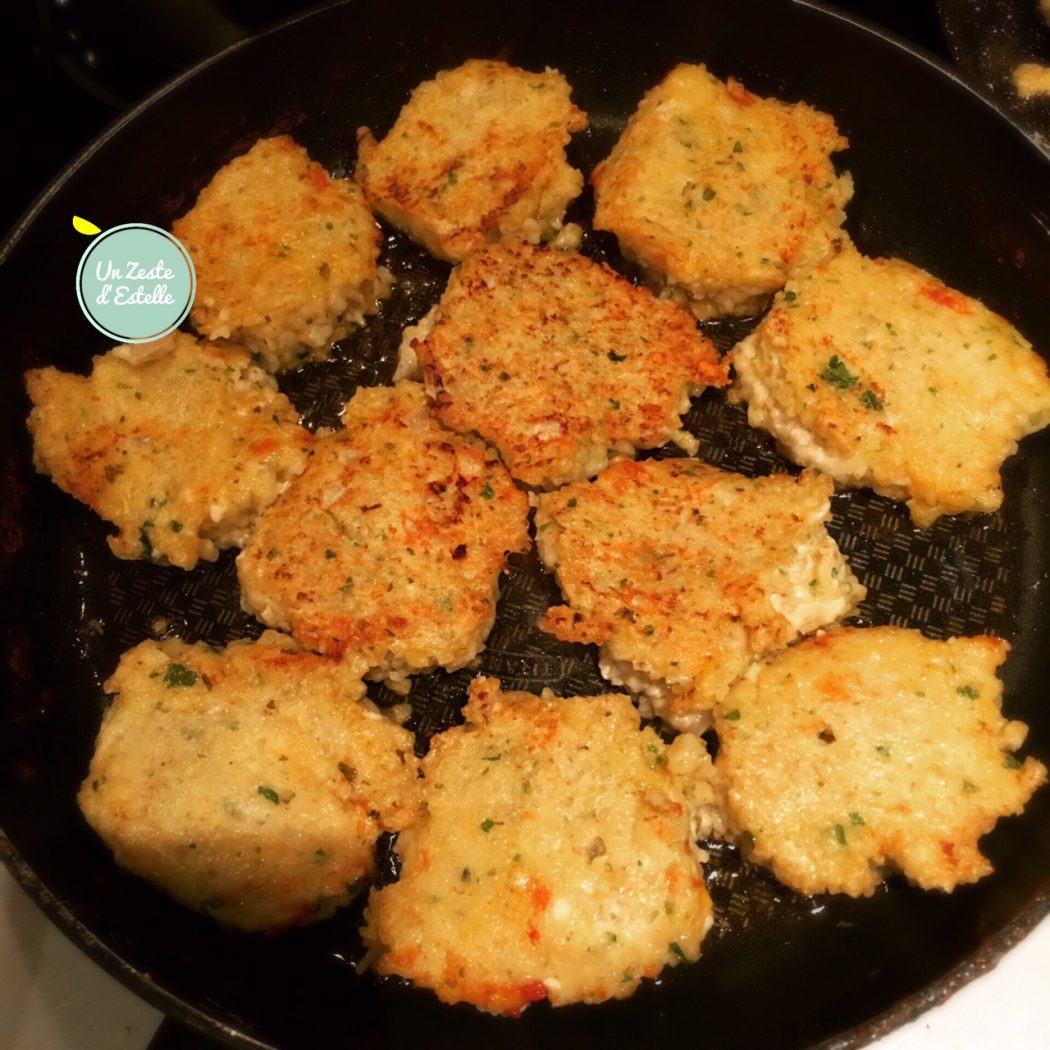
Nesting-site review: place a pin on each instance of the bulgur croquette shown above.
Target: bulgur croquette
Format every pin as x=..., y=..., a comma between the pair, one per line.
x=721, y=195
x=250, y=783
x=559, y=362
x=876, y=373
x=391, y=543
x=555, y=860
x=476, y=155
x=179, y=444
x=286, y=256
x=871, y=749
x=683, y=573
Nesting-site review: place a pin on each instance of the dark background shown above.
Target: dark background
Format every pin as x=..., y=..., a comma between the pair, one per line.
x=72, y=66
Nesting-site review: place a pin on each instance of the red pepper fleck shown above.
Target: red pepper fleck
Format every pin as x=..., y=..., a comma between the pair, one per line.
x=260, y=448
x=539, y=894
x=946, y=297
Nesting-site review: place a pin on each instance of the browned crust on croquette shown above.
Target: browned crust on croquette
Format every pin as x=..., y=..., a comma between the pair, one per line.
x=560, y=363
x=871, y=749
x=286, y=255
x=721, y=194
x=877, y=373
x=683, y=572
x=555, y=859
x=251, y=782
x=477, y=154
x=179, y=444
x=392, y=543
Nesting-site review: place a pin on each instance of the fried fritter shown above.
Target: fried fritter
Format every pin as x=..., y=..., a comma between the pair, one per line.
x=286, y=256
x=250, y=783
x=559, y=362
x=876, y=373
x=391, y=543
x=683, y=573
x=555, y=860
x=178, y=444
x=476, y=155
x=721, y=195
x=864, y=750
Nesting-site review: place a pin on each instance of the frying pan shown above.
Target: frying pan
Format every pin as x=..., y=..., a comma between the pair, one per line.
x=778, y=969
x=989, y=39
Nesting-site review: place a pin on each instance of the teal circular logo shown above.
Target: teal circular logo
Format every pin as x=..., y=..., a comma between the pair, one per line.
x=136, y=283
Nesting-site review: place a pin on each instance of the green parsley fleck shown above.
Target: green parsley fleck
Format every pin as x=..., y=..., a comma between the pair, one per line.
x=615, y=404
x=968, y=787
x=487, y=825
x=615, y=357
x=732, y=716
x=708, y=194
x=1011, y=762
x=856, y=820
x=329, y=553
x=883, y=749
x=175, y=526
x=488, y=492
x=179, y=674
x=869, y=400
x=572, y=502
x=676, y=951
x=790, y=296
x=837, y=374
x=840, y=834
x=969, y=691
x=269, y=794
x=737, y=147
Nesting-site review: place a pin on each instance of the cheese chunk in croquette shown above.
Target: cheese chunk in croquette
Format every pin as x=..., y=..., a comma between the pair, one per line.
x=876, y=373
x=286, y=255
x=683, y=573
x=391, y=543
x=558, y=362
x=251, y=782
x=864, y=750
x=178, y=444
x=555, y=860
x=476, y=155
x=721, y=195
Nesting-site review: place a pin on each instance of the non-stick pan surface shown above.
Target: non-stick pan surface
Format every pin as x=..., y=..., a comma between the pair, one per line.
x=942, y=179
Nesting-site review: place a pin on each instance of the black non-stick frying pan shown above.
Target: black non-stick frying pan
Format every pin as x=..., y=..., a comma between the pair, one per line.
x=942, y=179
